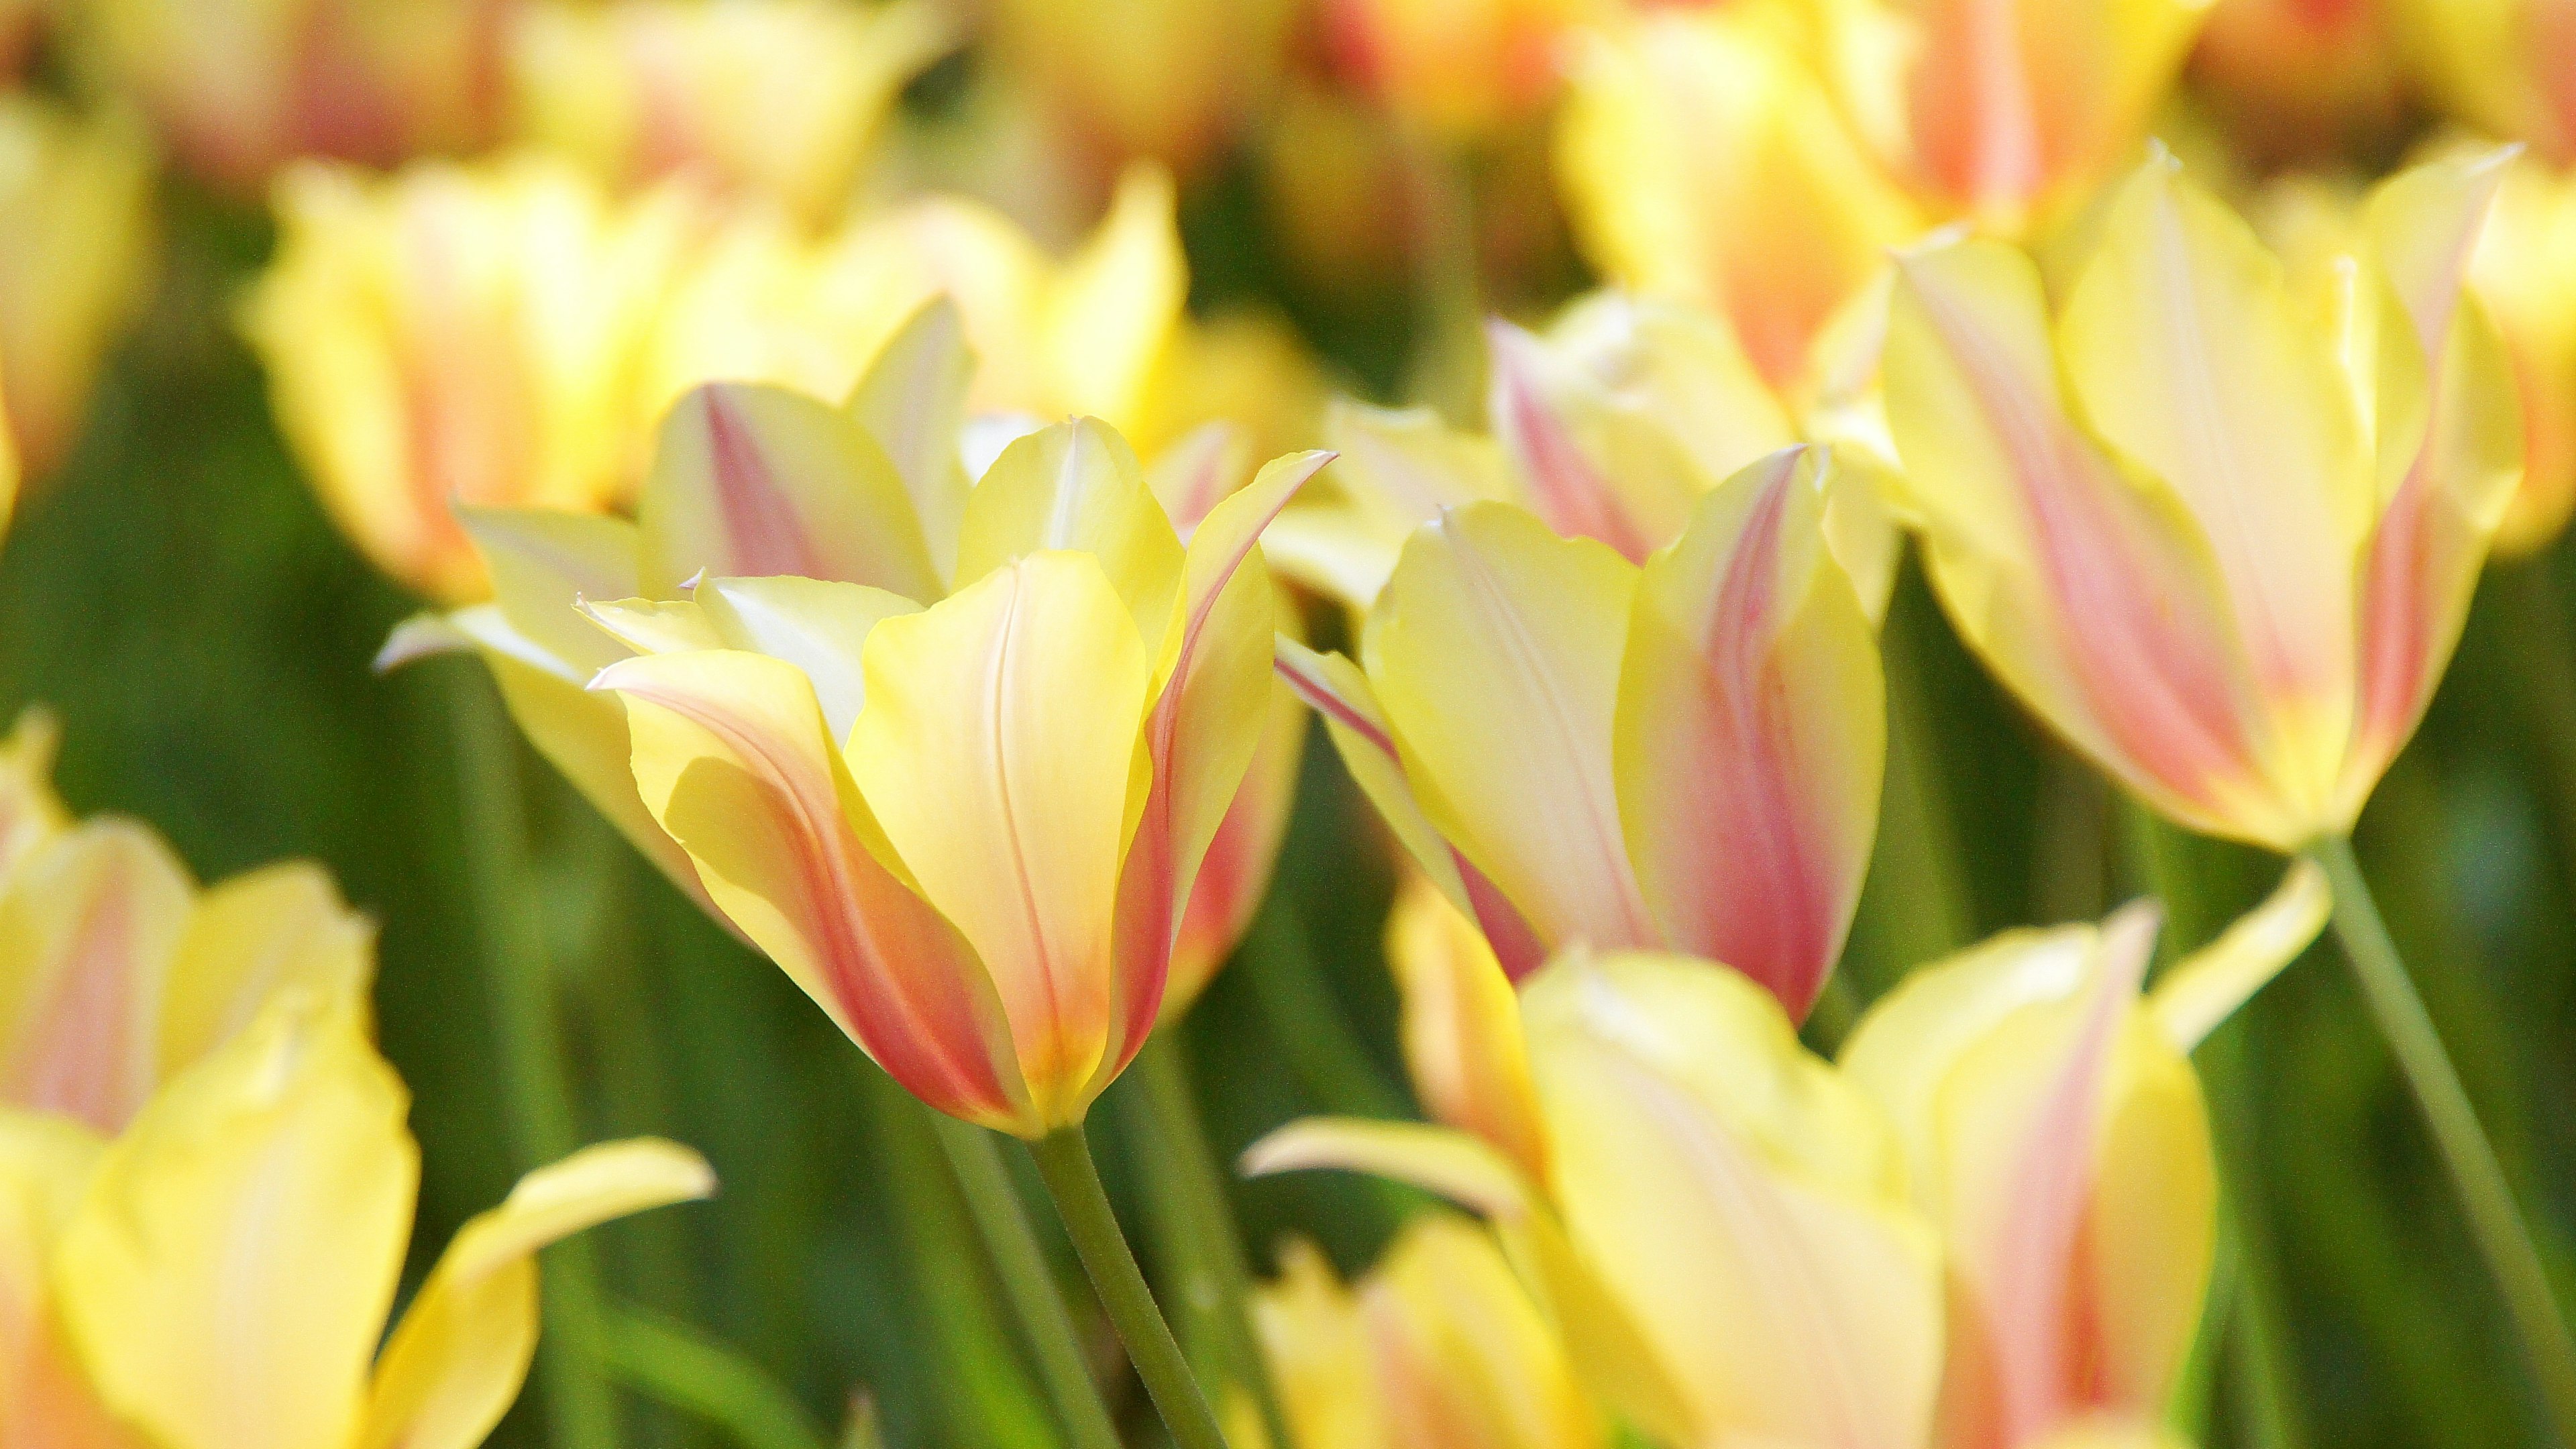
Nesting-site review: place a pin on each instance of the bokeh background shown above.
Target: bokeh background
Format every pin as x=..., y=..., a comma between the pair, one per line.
x=174, y=592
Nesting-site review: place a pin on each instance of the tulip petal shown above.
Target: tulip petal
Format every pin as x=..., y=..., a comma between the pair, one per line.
x=1001, y=750
x=1466, y=1170
x=30, y=812
x=88, y=926
x=1751, y=734
x=1337, y=691
x=1567, y=487
x=749, y=481
x=1740, y=1200
x=1461, y=1028
x=461, y=1351
x=1076, y=486
x=815, y=624
x=2091, y=595
x=280, y=928
x=912, y=400
x=1115, y=303
x=1235, y=873
x=1495, y=652
x=2205, y=988
x=654, y=626
x=1197, y=471
x=2187, y=357
x=230, y=1268
x=542, y=563
x=1321, y=1363
x=45, y=1398
x=1462, y=1357
x=732, y=758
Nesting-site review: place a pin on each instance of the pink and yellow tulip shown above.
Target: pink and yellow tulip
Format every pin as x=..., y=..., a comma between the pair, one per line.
x=76, y=215
x=778, y=100
x=1694, y=746
x=2214, y=518
x=240, y=87
x=1438, y=1347
x=2524, y=271
x=460, y=336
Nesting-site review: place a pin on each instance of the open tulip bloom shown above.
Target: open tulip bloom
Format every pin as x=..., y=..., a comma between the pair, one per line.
x=2215, y=515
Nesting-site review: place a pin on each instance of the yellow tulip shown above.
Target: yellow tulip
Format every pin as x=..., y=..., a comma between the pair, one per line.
x=1684, y=755
x=778, y=99
x=1438, y=1347
x=1459, y=69
x=116, y=972
x=218, y=1276
x=2231, y=565
x=2507, y=67
x=1164, y=80
x=460, y=335
x=1081, y=334
x=75, y=209
x=2055, y=1133
x=2524, y=271
x=1611, y=425
x=1724, y=1239
x=240, y=87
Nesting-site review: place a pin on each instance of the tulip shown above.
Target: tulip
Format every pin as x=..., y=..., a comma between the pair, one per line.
x=2508, y=68
x=1460, y=71
x=1438, y=1347
x=1081, y=334
x=75, y=206
x=2055, y=1133
x=1724, y=1237
x=1611, y=425
x=240, y=87
x=778, y=100
x=456, y=335
x=1170, y=81
x=2234, y=582
x=117, y=973
x=2524, y=271
x=1693, y=747
x=218, y=1276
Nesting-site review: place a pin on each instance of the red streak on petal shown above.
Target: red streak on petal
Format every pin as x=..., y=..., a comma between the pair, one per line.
x=762, y=528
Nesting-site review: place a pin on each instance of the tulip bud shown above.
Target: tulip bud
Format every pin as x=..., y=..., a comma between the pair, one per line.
x=75, y=210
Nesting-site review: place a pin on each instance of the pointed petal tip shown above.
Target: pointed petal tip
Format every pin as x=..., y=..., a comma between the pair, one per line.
x=419, y=637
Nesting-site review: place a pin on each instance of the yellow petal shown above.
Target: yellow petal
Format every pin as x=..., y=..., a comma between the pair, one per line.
x=280, y=928
x=1076, y=486
x=1495, y=652
x=1320, y=1361
x=750, y=481
x=1395, y=470
x=1001, y=751
x=30, y=812
x=228, y=1273
x=1112, y=308
x=1464, y=1169
x=462, y=1349
x=912, y=400
x=1740, y=1200
x=88, y=926
x=654, y=626
x=1752, y=733
x=2205, y=987
x=46, y=1401
x=733, y=759
x=817, y=625
x=1234, y=875
x=542, y=563
x=1462, y=1358
x=1462, y=1027
x=1652, y=365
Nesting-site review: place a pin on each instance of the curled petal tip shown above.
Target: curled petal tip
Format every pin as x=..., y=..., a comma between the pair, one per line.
x=418, y=637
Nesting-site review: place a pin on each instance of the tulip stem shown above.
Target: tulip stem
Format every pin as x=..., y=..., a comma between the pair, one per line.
x=1193, y=1224
x=976, y=1162
x=580, y=1405
x=1064, y=1161
x=2495, y=1221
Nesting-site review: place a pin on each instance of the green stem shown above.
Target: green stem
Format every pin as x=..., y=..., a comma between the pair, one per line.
x=1193, y=1225
x=677, y=1364
x=976, y=1162
x=580, y=1406
x=1064, y=1160
x=2495, y=1221
x=2535, y=622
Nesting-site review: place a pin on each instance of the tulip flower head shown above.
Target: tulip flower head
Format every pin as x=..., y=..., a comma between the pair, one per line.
x=75, y=209
x=1438, y=1347
x=1460, y=71
x=2055, y=1133
x=1611, y=425
x=780, y=100
x=240, y=87
x=1170, y=81
x=459, y=336
x=1694, y=746
x=2214, y=518
x=2524, y=271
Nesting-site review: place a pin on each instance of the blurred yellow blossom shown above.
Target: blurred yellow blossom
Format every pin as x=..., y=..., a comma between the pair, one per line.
x=75, y=212
x=460, y=335
x=2524, y=270
x=774, y=98
x=240, y=87
x=1459, y=69
x=1163, y=80
x=1438, y=1347
x=2507, y=67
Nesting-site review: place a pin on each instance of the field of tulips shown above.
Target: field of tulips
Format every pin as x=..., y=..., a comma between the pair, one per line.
x=1287, y=724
